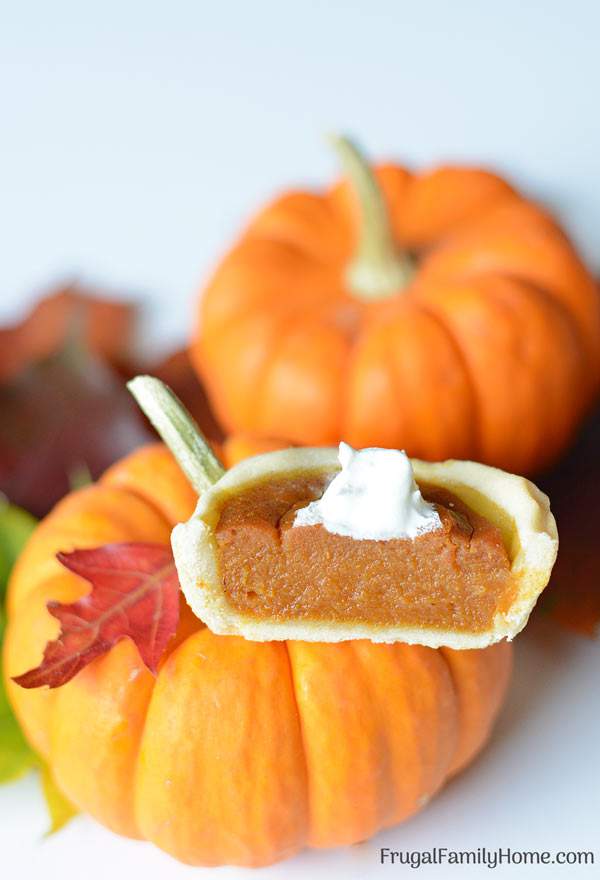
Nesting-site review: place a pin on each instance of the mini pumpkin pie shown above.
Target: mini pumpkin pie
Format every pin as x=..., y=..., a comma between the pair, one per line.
x=321, y=545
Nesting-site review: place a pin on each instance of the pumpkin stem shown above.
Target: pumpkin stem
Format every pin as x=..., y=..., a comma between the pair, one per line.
x=178, y=430
x=378, y=268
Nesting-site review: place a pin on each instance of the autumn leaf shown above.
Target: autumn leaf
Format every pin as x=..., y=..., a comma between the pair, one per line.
x=105, y=326
x=65, y=412
x=135, y=594
x=62, y=416
x=573, y=596
x=66, y=415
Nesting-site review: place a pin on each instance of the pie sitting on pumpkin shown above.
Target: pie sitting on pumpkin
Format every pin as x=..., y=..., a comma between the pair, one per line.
x=321, y=725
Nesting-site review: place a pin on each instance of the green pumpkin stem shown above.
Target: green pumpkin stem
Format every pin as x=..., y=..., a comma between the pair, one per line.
x=378, y=268
x=178, y=430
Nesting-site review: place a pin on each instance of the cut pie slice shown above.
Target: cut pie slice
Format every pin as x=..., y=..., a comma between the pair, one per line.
x=301, y=544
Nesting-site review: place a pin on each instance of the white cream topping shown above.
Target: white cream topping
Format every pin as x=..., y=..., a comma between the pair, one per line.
x=373, y=497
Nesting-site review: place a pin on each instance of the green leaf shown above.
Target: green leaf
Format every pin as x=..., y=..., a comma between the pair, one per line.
x=60, y=811
x=16, y=756
x=16, y=525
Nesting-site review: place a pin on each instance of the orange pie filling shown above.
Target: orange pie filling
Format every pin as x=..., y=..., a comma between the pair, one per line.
x=456, y=577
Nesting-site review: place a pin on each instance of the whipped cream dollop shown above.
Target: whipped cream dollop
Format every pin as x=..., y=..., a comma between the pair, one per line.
x=373, y=497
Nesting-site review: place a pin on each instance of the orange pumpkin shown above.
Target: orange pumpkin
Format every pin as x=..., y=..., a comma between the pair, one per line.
x=442, y=313
x=237, y=752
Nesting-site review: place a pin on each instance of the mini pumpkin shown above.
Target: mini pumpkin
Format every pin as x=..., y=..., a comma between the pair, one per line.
x=238, y=752
x=440, y=312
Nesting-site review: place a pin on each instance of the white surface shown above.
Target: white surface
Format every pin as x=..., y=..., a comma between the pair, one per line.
x=374, y=497
x=138, y=134
x=536, y=786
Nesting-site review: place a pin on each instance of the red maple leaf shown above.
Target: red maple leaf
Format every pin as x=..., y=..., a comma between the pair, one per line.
x=135, y=594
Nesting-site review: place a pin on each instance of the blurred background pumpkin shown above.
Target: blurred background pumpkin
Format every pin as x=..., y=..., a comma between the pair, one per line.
x=439, y=312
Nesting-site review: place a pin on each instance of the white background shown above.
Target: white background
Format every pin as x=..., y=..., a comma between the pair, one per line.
x=136, y=137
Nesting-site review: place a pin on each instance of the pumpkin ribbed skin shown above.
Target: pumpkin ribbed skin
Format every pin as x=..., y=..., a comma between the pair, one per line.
x=237, y=752
x=491, y=353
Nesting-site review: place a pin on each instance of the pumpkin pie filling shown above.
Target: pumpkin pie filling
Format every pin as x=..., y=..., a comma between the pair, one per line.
x=454, y=577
